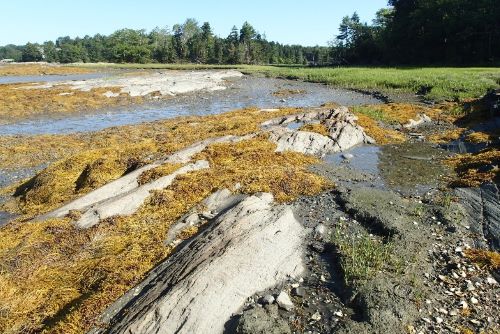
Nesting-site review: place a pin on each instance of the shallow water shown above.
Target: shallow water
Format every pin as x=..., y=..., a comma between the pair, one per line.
x=10, y=79
x=409, y=168
x=365, y=158
x=240, y=93
x=5, y=217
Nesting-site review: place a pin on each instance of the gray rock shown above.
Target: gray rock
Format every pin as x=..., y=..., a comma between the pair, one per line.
x=300, y=292
x=203, y=284
x=125, y=195
x=483, y=211
x=260, y=320
x=344, y=132
x=283, y=300
x=192, y=219
x=130, y=202
x=421, y=119
x=266, y=300
x=320, y=230
x=302, y=141
x=347, y=156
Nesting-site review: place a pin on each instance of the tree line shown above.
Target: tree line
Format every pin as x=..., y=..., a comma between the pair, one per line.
x=187, y=42
x=408, y=32
x=422, y=32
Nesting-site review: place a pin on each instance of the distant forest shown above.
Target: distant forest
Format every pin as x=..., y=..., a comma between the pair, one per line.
x=408, y=32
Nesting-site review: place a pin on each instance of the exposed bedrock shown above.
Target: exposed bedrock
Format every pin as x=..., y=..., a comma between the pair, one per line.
x=124, y=195
x=343, y=132
x=248, y=248
x=130, y=202
x=165, y=83
x=483, y=213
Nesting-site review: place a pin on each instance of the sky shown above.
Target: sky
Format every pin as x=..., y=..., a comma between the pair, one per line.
x=287, y=21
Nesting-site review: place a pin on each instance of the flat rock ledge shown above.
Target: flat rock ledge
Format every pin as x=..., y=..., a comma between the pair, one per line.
x=166, y=83
x=248, y=248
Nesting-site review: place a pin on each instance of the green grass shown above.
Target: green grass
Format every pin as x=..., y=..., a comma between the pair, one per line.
x=362, y=257
x=443, y=83
x=440, y=83
x=373, y=113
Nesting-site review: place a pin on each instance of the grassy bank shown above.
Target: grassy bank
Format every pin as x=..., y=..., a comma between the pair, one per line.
x=439, y=83
x=433, y=83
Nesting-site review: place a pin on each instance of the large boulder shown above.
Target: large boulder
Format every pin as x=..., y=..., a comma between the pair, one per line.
x=343, y=132
x=251, y=247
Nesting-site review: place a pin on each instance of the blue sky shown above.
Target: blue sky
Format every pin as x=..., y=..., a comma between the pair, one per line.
x=286, y=21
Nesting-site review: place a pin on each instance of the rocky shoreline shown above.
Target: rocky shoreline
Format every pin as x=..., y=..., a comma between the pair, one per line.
x=361, y=241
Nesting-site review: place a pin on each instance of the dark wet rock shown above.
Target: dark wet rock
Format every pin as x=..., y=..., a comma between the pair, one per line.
x=483, y=212
x=262, y=320
x=318, y=247
x=299, y=292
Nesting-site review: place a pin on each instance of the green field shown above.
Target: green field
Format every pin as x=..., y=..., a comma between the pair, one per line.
x=443, y=83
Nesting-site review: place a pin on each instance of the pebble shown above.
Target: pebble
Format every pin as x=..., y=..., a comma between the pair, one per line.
x=439, y=320
x=474, y=300
x=284, y=301
x=347, y=156
x=267, y=300
x=453, y=312
x=300, y=292
x=318, y=247
x=338, y=314
x=320, y=230
x=491, y=280
x=316, y=316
